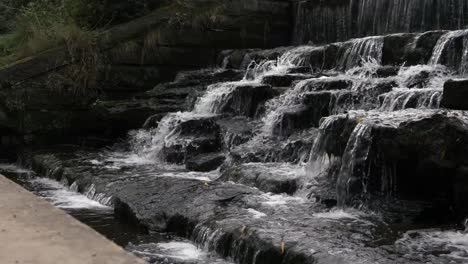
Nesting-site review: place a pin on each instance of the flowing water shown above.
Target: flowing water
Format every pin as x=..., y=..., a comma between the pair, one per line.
x=155, y=248
x=330, y=21
x=342, y=108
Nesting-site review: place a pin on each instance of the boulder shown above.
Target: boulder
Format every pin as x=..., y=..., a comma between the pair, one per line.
x=283, y=80
x=191, y=138
x=268, y=177
x=325, y=84
x=300, y=69
x=386, y=71
x=205, y=162
x=455, y=94
x=245, y=99
x=419, y=80
x=236, y=130
x=415, y=155
x=294, y=149
x=315, y=106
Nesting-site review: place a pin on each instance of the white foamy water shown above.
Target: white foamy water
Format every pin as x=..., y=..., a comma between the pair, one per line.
x=147, y=144
x=174, y=252
x=215, y=97
x=434, y=245
x=256, y=214
x=359, y=50
x=294, y=57
x=201, y=176
x=271, y=199
x=336, y=214
x=62, y=197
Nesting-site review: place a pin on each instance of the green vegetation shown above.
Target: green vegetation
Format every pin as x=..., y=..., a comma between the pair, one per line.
x=44, y=24
x=186, y=13
x=33, y=26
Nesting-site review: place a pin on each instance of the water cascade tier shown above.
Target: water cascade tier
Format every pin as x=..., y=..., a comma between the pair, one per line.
x=350, y=152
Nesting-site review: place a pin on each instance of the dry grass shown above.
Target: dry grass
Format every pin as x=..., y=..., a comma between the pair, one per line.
x=41, y=25
x=187, y=14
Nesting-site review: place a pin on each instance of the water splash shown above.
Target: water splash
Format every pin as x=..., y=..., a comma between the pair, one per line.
x=216, y=95
x=298, y=56
x=148, y=144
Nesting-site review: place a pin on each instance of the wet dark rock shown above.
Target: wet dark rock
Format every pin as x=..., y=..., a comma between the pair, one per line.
x=192, y=138
x=261, y=55
x=300, y=69
x=294, y=149
x=420, y=80
x=283, y=80
x=396, y=48
x=327, y=84
x=245, y=99
x=125, y=115
x=268, y=177
x=386, y=71
x=335, y=136
x=187, y=82
x=205, y=162
x=315, y=106
x=209, y=76
x=153, y=121
x=409, y=49
x=233, y=59
x=419, y=157
x=237, y=222
x=236, y=130
x=455, y=95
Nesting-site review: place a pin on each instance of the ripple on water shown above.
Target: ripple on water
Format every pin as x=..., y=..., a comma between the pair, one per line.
x=177, y=252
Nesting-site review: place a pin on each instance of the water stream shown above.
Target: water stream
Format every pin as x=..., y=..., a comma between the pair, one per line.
x=330, y=183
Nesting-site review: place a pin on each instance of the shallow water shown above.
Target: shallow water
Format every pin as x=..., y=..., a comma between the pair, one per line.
x=154, y=247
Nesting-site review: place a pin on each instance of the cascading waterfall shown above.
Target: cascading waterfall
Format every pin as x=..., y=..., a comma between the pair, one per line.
x=400, y=99
x=335, y=125
x=359, y=51
x=359, y=79
x=451, y=50
x=149, y=144
x=353, y=171
x=430, y=78
x=320, y=159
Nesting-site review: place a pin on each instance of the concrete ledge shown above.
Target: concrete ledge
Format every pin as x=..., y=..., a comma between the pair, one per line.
x=32, y=231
